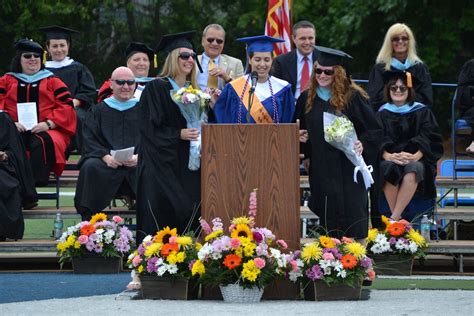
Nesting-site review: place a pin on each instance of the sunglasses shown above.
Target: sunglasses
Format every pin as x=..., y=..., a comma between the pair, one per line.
x=400, y=38
x=123, y=82
x=212, y=39
x=185, y=56
x=402, y=89
x=327, y=72
x=29, y=55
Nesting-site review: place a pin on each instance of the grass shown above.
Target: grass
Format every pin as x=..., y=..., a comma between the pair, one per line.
x=422, y=284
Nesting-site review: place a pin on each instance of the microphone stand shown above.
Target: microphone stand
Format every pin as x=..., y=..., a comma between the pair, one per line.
x=251, y=94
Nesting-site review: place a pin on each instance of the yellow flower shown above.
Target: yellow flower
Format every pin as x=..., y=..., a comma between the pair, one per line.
x=98, y=218
x=242, y=220
x=386, y=221
x=152, y=249
x=356, y=249
x=176, y=257
x=61, y=246
x=77, y=244
x=198, y=268
x=372, y=234
x=249, y=249
x=184, y=241
x=250, y=271
x=416, y=237
x=214, y=234
x=326, y=242
x=140, y=269
x=198, y=246
x=241, y=230
x=311, y=252
x=163, y=235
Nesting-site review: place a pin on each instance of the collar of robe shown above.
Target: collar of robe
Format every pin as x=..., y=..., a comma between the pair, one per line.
x=323, y=93
x=404, y=109
x=59, y=64
x=144, y=79
x=395, y=63
x=32, y=78
x=119, y=105
x=175, y=85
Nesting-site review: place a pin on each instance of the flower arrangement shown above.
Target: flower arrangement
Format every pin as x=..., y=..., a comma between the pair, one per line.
x=398, y=238
x=248, y=256
x=97, y=236
x=335, y=261
x=190, y=95
x=166, y=254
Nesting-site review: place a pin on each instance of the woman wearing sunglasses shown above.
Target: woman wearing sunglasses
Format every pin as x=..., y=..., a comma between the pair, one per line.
x=398, y=52
x=411, y=146
x=41, y=106
x=339, y=201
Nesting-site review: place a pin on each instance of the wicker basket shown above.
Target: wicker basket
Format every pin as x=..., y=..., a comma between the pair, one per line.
x=234, y=293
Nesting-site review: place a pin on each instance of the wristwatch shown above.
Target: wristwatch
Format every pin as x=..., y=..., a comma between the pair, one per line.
x=49, y=124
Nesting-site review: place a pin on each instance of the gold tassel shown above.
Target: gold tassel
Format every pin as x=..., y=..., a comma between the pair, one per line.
x=409, y=80
x=155, y=61
x=45, y=57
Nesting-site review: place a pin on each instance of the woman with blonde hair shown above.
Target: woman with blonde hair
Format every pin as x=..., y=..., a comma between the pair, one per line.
x=398, y=52
x=339, y=201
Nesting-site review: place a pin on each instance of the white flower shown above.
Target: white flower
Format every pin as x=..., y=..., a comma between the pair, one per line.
x=413, y=247
x=325, y=264
x=275, y=252
x=131, y=256
x=172, y=268
x=342, y=273
x=161, y=270
x=216, y=255
x=293, y=276
x=147, y=238
x=192, y=97
x=337, y=265
x=327, y=271
x=205, y=251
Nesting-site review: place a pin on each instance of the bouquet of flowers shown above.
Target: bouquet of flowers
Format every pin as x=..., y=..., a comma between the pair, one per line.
x=340, y=133
x=193, y=104
x=398, y=238
x=335, y=261
x=165, y=254
x=99, y=235
x=249, y=256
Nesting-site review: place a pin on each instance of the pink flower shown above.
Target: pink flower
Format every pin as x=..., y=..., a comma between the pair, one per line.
x=83, y=239
x=259, y=263
x=117, y=219
x=257, y=236
x=205, y=226
x=282, y=243
x=336, y=241
x=347, y=240
x=234, y=243
x=253, y=203
x=328, y=256
x=173, y=240
x=294, y=265
x=371, y=274
x=231, y=227
x=136, y=261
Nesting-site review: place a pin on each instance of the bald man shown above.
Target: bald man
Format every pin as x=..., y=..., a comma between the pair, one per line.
x=111, y=125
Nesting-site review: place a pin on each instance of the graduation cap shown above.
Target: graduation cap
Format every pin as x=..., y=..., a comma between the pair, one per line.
x=170, y=42
x=28, y=46
x=260, y=43
x=58, y=32
x=328, y=57
x=403, y=75
x=137, y=47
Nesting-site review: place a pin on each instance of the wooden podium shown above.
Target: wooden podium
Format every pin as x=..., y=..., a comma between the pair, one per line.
x=238, y=158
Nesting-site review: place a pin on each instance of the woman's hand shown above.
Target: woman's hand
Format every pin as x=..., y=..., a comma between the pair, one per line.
x=41, y=127
x=306, y=165
x=215, y=94
x=3, y=156
x=358, y=147
x=189, y=134
x=111, y=162
x=76, y=102
x=396, y=158
x=132, y=162
x=20, y=127
x=411, y=157
x=304, y=135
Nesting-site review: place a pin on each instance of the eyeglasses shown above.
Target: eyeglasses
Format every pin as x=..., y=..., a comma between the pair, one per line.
x=402, y=89
x=212, y=39
x=123, y=82
x=29, y=55
x=327, y=72
x=400, y=38
x=185, y=56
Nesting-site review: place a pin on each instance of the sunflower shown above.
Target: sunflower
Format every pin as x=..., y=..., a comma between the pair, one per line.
x=326, y=242
x=372, y=234
x=232, y=261
x=396, y=229
x=164, y=235
x=311, y=252
x=242, y=220
x=99, y=217
x=416, y=237
x=348, y=261
x=241, y=230
x=355, y=249
x=168, y=248
x=214, y=234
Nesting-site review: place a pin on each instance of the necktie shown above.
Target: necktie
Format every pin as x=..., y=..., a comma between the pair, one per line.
x=304, y=75
x=211, y=80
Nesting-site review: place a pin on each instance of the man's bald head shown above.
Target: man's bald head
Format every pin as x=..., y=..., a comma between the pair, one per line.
x=121, y=72
x=123, y=83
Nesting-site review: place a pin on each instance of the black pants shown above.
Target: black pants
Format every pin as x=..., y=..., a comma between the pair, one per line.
x=40, y=148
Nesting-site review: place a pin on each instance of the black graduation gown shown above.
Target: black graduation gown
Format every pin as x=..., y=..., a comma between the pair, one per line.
x=168, y=192
x=411, y=132
x=465, y=94
x=340, y=203
x=421, y=83
x=16, y=180
x=104, y=129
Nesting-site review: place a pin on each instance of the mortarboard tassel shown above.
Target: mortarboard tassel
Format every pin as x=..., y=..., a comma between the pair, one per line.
x=409, y=80
x=155, y=61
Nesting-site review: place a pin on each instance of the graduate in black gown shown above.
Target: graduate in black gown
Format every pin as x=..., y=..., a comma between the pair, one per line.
x=464, y=100
x=17, y=186
x=169, y=192
x=110, y=125
x=75, y=75
x=336, y=198
x=398, y=52
x=411, y=146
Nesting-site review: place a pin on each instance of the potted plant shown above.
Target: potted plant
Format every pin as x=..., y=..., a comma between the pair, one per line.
x=394, y=248
x=333, y=269
x=163, y=263
x=95, y=246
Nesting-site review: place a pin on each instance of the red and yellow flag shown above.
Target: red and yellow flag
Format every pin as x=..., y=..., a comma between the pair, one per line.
x=278, y=24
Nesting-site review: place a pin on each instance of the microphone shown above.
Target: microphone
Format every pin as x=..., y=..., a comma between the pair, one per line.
x=254, y=78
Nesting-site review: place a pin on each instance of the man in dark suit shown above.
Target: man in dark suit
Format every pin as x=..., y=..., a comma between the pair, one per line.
x=296, y=66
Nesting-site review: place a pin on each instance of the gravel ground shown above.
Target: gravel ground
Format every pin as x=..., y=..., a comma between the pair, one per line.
x=381, y=302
